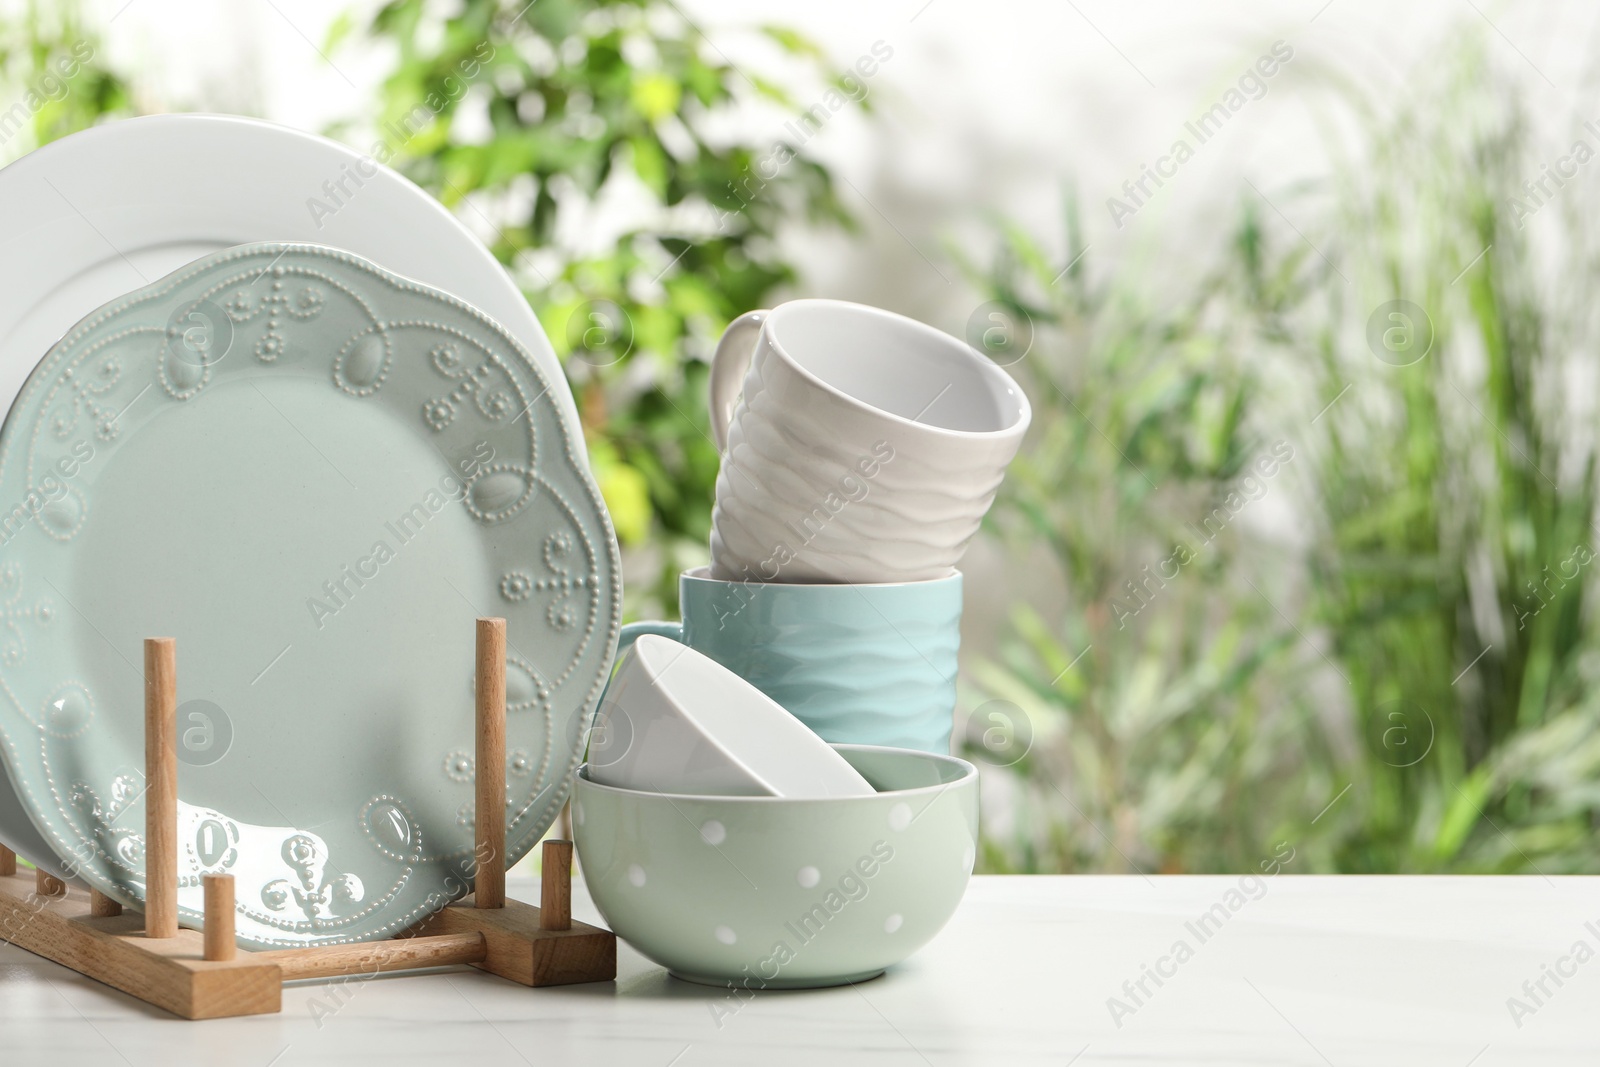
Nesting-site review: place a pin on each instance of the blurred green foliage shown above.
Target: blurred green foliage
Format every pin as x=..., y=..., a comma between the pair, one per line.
x=1457, y=488
x=54, y=77
x=1163, y=737
x=1406, y=683
x=521, y=117
x=1411, y=690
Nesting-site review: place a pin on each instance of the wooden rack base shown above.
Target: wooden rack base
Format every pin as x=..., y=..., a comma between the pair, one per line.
x=200, y=977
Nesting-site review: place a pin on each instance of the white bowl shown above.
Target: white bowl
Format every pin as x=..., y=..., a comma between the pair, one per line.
x=676, y=721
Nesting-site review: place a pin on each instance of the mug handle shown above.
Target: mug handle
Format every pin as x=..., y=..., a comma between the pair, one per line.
x=631, y=632
x=729, y=365
x=635, y=630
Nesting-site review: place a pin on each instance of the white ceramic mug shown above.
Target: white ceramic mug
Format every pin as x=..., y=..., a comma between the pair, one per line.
x=858, y=445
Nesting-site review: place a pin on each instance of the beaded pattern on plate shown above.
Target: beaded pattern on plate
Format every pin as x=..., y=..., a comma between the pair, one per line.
x=311, y=898
x=13, y=611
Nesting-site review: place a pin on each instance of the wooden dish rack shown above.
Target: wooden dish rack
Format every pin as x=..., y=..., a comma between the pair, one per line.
x=203, y=974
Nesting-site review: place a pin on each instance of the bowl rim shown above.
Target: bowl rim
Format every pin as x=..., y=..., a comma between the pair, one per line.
x=969, y=773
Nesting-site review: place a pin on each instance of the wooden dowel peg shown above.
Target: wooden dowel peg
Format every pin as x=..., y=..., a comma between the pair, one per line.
x=102, y=906
x=555, y=887
x=490, y=887
x=8, y=862
x=161, y=787
x=219, y=938
x=47, y=885
x=377, y=957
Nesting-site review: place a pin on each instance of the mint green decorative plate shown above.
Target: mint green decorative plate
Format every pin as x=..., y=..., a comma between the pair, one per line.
x=314, y=475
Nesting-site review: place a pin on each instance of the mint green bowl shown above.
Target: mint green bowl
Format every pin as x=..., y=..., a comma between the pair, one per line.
x=777, y=893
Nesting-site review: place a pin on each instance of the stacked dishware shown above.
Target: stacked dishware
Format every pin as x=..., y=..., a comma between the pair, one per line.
x=313, y=471
x=309, y=446
x=724, y=839
x=95, y=216
x=861, y=451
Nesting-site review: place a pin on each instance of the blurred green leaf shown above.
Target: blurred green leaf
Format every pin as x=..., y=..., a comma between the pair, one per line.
x=578, y=94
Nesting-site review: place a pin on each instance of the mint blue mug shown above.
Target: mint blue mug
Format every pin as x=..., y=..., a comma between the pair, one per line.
x=859, y=664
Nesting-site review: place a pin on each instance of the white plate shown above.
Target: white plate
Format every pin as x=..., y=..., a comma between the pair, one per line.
x=112, y=209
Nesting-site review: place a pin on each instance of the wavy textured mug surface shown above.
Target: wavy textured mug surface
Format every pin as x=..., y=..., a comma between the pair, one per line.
x=817, y=486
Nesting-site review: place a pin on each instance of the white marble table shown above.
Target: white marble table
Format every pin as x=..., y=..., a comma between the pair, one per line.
x=1304, y=970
